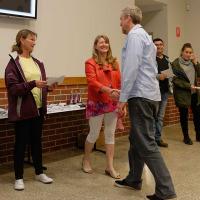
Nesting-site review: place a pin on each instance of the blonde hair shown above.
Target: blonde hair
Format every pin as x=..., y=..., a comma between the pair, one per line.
x=109, y=58
x=135, y=13
x=21, y=34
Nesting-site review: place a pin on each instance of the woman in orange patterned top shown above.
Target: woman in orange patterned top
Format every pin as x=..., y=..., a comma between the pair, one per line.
x=103, y=77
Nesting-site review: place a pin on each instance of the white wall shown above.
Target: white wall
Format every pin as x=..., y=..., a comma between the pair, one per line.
x=163, y=23
x=66, y=31
x=192, y=25
x=176, y=16
x=158, y=24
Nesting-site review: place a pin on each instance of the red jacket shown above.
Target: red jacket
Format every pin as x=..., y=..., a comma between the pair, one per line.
x=21, y=103
x=97, y=78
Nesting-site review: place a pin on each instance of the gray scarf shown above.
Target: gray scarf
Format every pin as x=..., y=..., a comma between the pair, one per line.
x=185, y=62
x=188, y=68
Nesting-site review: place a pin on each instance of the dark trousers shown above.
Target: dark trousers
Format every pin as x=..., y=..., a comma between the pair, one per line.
x=28, y=132
x=143, y=148
x=196, y=117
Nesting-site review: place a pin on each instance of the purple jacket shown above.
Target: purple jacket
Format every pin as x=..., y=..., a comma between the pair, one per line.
x=21, y=103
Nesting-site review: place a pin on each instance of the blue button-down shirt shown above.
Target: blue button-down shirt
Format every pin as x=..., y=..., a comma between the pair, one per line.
x=139, y=67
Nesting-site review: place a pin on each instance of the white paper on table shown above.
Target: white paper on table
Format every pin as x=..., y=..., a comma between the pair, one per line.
x=168, y=72
x=52, y=80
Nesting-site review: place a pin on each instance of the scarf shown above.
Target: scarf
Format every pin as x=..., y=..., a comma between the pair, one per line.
x=185, y=62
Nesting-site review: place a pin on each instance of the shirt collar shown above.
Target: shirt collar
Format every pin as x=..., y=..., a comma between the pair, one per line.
x=135, y=27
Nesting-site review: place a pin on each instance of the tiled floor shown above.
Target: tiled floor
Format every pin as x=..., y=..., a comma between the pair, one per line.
x=70, y=183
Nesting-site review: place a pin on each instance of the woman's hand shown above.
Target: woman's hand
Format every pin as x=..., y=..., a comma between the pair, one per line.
x=193, y=88
x=114, y=94
x=52, y=87
x=40, y=84
x=193, y=58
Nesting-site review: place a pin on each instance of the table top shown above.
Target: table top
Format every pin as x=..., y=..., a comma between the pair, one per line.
x=51, y=108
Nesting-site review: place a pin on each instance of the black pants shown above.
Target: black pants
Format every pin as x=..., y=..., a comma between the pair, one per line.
x=196, y=117
x=28, y=132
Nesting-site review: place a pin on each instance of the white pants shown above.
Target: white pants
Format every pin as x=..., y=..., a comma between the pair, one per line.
x=95, y=123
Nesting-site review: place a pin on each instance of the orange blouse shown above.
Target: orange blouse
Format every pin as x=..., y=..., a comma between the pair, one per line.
x=97, y=77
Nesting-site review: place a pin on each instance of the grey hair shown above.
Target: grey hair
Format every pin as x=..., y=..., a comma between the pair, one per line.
x=135, y=13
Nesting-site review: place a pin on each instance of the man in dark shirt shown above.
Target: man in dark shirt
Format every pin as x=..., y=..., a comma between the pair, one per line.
x=163, y=64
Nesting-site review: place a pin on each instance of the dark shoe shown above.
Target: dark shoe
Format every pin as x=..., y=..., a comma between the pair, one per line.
x=153, y=197
x=188, y=141
x=198, y=138
x=160, y=143
x=124, y=184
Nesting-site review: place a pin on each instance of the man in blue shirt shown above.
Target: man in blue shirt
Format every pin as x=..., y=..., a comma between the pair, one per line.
x=140, y=88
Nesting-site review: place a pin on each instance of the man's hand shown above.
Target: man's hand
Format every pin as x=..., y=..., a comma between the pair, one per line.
x=122, y=109
x=162, y=77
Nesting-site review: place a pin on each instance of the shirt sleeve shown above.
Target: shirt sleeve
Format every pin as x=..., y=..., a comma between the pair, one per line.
x=92, y=77
x=118, y=77
x=130, y=65
x=13, y=85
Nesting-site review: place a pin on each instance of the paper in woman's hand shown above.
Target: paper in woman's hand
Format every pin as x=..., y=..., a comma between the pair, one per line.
x=169, y=73
x=54, y=80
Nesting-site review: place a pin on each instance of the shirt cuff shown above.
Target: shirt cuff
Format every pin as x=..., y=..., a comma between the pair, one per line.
x=123, y=98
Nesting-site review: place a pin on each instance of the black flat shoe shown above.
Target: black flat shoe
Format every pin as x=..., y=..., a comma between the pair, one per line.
x=188, y=141
x=124, y=184
x=153, y=197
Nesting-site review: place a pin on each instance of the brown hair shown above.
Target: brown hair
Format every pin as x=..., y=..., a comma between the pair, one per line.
x=186, y=45
x=21, y=34
x=109, y=58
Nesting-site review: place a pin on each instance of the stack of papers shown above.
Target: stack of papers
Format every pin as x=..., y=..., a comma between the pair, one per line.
x=62, y=107
x=53, y=80
x=168, y=72
x=3, y=113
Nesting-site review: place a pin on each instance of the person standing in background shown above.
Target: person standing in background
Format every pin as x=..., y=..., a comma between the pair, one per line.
x=26, y=85
x=103, y=77
x=163, y=64
x=140, y=88
x=186, y=94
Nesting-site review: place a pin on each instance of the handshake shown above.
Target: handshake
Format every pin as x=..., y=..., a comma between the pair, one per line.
x=114, y=94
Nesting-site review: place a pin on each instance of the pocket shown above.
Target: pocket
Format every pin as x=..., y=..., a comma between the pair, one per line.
x=18, y=107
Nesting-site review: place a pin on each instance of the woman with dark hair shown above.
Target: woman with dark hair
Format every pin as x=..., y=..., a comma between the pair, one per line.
x=103, y=77
x=186, y=93
x=26, y=85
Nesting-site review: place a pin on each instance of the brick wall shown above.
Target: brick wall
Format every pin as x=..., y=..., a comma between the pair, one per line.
x=172, y=113
x=61, y=129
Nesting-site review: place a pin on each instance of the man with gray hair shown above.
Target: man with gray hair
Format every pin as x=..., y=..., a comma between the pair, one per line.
x=140, y=89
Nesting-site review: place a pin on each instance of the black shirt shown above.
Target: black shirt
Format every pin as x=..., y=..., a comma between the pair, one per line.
x=163, y=64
